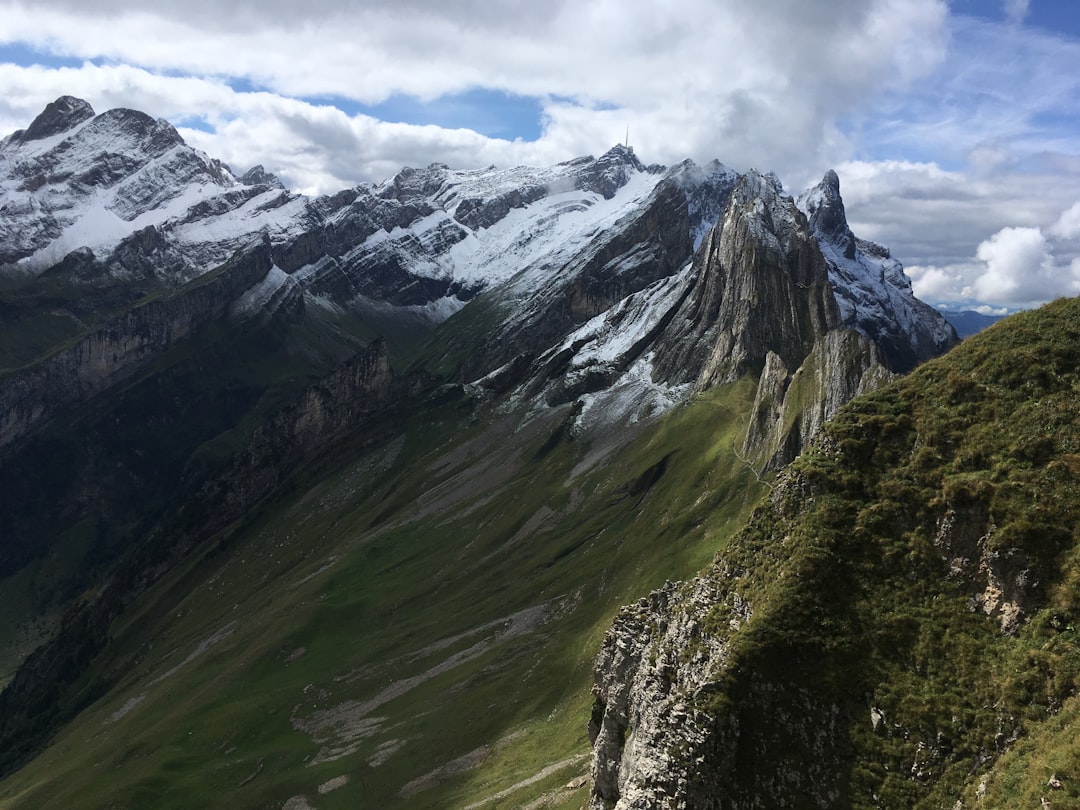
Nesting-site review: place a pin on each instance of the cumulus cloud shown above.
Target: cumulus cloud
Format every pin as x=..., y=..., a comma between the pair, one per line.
x=759, y=84
x=936, y=283
x=1018, y=266
x=1067, y=225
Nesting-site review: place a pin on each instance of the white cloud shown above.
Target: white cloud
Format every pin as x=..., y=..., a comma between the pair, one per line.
x=1016, y=11
x=1068, y=224
x=758, y=84
x=1018, y=266
x=936, y=283
x=313, y=148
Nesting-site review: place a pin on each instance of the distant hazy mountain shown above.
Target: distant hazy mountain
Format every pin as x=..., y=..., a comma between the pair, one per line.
x=967, y=322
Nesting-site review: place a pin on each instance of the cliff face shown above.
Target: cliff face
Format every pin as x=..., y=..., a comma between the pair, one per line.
x=763, y=304
x=790, y=407
x=764, y=287
x=679, y=714
x=123, y=346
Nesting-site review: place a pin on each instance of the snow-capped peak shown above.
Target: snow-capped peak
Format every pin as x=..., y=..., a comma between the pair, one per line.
x=75, y=180
x=57, y=117
x=871, y=288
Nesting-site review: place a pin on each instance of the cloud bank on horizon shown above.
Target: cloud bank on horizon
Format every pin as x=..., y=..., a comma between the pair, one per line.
x=954, y=127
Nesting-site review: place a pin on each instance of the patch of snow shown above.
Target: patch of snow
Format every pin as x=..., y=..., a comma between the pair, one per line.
x=611, y=335
x=533, y=241
x=260, y=295
x=439, y=310
x=633, y=398
x=242, y=222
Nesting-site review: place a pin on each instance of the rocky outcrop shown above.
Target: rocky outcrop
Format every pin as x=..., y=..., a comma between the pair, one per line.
x=763, y=303
x=646, y=733
x=119, y=349
x=1001, y=580
x=258, y=176
x=678, y=712
x=763, y=287
x=790, y=407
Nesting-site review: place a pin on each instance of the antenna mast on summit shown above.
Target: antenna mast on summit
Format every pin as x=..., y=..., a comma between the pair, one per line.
x=629, y=148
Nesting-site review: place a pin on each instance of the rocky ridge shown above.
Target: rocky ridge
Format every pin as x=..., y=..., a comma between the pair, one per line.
x=756, y=300
x=889, y=624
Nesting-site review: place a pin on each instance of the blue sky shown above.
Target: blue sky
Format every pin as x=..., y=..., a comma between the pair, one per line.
x=954, y=126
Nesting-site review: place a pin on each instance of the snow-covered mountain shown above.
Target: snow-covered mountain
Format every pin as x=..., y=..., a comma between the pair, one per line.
x=587, y=268
x=427, y=240
x=73, y=179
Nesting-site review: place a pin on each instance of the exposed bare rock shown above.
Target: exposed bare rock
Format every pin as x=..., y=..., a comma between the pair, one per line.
x=763, y=286
x=57, y=117
x=790, y=408
x=121, y=347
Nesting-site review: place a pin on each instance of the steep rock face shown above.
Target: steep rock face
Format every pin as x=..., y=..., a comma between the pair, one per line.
x=118, y=349
x=764, y=287
x=677, y=711
x=790, y=407
x=757, y=300
x=646, y=734
x=872, y=291
x=57, y=117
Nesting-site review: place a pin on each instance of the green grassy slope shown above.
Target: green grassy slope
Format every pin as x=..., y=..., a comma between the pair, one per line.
x=416, y=629
x=88, y=486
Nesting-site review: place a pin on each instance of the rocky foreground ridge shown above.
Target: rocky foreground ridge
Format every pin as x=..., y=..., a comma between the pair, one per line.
x=894, y=628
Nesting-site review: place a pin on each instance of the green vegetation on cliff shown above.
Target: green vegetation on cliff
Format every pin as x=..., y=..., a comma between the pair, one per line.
x=915, y=595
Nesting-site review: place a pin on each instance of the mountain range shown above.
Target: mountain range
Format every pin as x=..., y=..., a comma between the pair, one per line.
x=319, y=501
